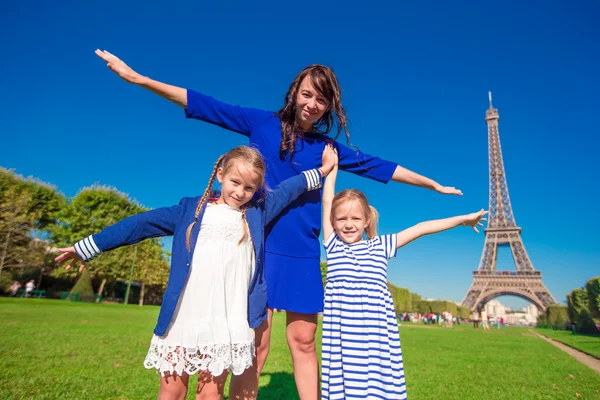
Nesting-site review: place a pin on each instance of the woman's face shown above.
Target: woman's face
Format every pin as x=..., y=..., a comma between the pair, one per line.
x=310, y=104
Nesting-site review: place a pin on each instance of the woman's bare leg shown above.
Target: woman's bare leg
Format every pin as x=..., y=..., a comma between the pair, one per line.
x=300, y=334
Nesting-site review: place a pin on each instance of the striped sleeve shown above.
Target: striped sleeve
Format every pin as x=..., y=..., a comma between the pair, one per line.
x=314, y=180
x=329, y=242
x=389, y=244
x=86, y=249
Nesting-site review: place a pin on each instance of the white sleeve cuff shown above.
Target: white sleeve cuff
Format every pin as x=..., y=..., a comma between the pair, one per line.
x=86, y=248
x=314, y=180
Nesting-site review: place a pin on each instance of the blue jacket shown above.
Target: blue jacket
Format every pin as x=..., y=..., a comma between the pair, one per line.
x=175, y=221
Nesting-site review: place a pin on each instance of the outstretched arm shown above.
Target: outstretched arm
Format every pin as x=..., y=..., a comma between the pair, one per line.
x=439, y=225
x=154, y=223
x=403, y=175
x=375, y=168
x=172, y=93
x=328, y=194
x=197, y=105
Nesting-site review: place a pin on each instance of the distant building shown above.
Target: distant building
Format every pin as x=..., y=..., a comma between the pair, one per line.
x=525, y=316
x=495, y=309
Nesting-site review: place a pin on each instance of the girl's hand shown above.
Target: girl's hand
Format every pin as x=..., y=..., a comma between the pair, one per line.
x=119, y=67
x=68, y=254
x=448, y=190
x=329, y=159
x=474, y=219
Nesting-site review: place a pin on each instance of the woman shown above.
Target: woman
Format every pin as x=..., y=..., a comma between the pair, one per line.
x=291, y=140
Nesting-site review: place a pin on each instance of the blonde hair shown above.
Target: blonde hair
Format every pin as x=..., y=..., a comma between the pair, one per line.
x=247, y=155
x=371, y=214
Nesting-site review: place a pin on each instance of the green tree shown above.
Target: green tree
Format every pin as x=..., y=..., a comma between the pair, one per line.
x=439, y=306
x=90, y=211
x=391, y=288
x=586, y=323
x=561, y=322
x=15, y=227
x=542, y=321
x=324, y=272
x=577, y=300
x=452, y=307
x=151, y=266
x=593, y=293
x=403, y=300
x=5, y=281
x=82, y=289
x=401, y=297
x=27, y=208
x=464, y=312
x=556, y=316
x=44, y=200
x=422, y=306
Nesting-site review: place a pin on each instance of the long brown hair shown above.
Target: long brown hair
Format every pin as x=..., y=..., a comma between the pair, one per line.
x=371, y=214
x=247, y=155
x=324, y=80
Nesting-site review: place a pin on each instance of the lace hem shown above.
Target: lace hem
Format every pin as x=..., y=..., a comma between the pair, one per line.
x=234, y=357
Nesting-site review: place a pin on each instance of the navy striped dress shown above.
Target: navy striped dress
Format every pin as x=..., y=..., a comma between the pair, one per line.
x=361, y=354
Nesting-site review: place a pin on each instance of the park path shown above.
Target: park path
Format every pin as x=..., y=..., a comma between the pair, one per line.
x=580, y=356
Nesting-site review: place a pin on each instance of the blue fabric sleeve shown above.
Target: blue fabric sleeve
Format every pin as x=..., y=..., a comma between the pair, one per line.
x=364, y=164
x=154, y=223
x=288, y=191
x=235, y=118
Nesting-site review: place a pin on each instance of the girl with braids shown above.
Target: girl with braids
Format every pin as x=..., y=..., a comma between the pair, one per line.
x=216, y=292
x=291, y=140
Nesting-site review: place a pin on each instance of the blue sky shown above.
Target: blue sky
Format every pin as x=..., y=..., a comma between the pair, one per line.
x=415, y=79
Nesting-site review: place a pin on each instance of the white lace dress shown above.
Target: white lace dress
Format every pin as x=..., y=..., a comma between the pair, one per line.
x=209, y=330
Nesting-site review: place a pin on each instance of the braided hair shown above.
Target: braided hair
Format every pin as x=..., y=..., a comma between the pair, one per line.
x=248, y=155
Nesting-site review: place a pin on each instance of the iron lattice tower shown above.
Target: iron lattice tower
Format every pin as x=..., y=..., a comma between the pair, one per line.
x=502, y=230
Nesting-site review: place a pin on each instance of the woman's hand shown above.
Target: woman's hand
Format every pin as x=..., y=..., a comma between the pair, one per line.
x=119, y=67
x=448, y=190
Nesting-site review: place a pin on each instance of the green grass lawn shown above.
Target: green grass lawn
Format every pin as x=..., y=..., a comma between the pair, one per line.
x=586, y=343
x=52, y=349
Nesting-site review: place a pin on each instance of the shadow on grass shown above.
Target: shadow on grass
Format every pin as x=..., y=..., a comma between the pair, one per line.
x=280, y=387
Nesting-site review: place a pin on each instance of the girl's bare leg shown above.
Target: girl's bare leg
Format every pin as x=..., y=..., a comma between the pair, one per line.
x=173, y=387
x=210, y=387
x=245, y=386
x=262, y=339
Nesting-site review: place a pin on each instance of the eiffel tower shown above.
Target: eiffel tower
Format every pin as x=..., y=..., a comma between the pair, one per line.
x=502, y=230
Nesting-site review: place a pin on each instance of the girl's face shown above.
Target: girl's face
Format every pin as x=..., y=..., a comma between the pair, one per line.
x=350, y=221
x=310, y=104
x=238, y=184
